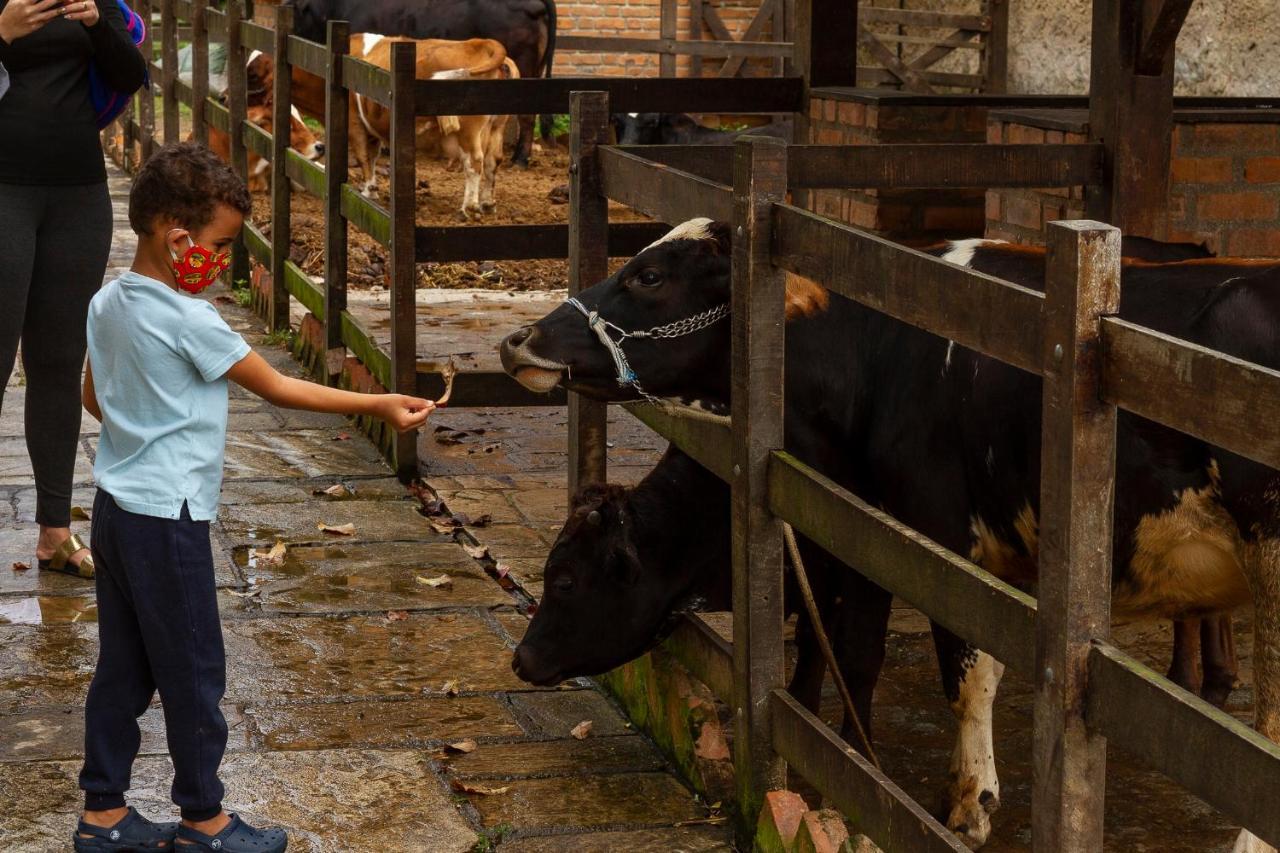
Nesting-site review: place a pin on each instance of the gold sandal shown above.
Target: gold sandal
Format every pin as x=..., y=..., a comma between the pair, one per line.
x=61, y=559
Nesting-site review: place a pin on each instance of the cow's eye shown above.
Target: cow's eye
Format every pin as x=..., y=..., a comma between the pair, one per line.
x=650, y=278
x=564, y=583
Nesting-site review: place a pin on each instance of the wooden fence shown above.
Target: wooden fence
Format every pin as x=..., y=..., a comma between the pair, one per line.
x=395, y=229
x=1087, y=690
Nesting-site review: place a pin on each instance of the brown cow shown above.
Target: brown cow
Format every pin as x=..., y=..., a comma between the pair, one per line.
x=301, y=139
x=476, y=140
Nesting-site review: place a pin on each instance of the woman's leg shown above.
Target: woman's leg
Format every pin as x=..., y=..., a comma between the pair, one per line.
x=20, y=212
x=71, y=254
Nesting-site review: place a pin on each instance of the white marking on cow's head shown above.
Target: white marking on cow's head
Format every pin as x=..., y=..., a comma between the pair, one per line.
x=694, y=229
x=252, y=56
x=961, y=252
x=946, y=360
x=261, y=167
x=293, y=111
x=368, y=41
x=633, y=115
x=452, y=74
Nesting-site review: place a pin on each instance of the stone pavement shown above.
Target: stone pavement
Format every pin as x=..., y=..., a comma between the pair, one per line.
x=347, y=676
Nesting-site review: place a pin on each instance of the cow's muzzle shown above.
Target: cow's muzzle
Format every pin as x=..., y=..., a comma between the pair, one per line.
x=527, y=367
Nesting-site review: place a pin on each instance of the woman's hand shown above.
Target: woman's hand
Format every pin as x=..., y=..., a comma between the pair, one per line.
x=84, y=11
x=23, y=17
x=404, y=413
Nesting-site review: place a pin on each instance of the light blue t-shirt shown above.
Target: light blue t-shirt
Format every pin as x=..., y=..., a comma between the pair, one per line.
x=159, y=358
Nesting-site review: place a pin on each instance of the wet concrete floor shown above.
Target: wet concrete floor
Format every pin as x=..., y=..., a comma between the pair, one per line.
x=348, y=675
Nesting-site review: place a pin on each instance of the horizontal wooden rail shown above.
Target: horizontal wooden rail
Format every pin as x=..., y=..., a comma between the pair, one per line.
x=357, y=339
x=215, y=24
x=257, y=37
x=308, y=173
x=259, y=244
x=720, y=49
x=626, y=94
x=1210, y=753
x=482, y=388
x=367, y=215
x=706, y=443
x=702, y=651
x=869, y=75
x=958, y=595
x=977, y=311
x=902, y=166
x=257, y=140
x=309, y=56
x=913, y=18
x=218, y=116
x=306, y=291
x=875, y=805
x=1225, y=401
x=183, y=9
x=657, y=190
x=367, y=79
x=447, y=244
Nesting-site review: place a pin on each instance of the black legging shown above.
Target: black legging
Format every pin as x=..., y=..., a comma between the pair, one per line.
x=54, y=245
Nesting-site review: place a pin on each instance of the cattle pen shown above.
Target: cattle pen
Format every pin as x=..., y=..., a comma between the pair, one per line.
x=1092, y=363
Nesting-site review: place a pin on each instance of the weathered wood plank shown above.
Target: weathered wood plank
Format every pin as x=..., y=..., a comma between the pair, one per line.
x=920, y=18
x=1203, y=749
x=871, y=75
x=667, y=31
x=1077, y=495
x=335, y=174
x=763, y=14
x=404, y=277
x=146, y=101
x=876, y=806
x=256, y=140
x=995, y=56
x=367, y=215
x=666, y=194
x=1169, y=380
x=169, y=71
x=309, y=56
x=756, y=408
x=1160, y=34
x=199, y=72
x=707, y=656
x=363, y=347
x=309, y=174
x=368, y=80
x=301, y=287
x=977, y=311
x=451, y=243
x=626, y=94
x=696, y=49
x=706, y=443
x=257, y=37
x=588, y=237
x=960, y=596
x=281, y=190
x=237, y=104
x=257, y=243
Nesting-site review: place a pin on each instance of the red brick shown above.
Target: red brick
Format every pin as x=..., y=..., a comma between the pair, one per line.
x=829, y=110
x=863, y=215
x=1020, y=134
x=1076, y=138
x=1254, y=242
x=829, y=136
x=1262, y=170
x=779, y=821
x=1023, y=211
x=821, y=832
x=995, y=133
x=1236, y=137
x=1201, y=170
x=1240, y=206
x=993, y=204
x=873, y=116
x=1054, y=137
x=854, y=115
x=815, y=108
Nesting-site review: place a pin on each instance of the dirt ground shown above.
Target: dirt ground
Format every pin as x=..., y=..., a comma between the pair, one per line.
x=537, y=195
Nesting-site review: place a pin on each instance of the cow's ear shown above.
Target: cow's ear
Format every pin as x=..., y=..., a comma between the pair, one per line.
x=721, y=234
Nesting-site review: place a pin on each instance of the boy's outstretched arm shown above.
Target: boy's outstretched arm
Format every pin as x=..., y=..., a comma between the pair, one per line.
x=89, y=397
x=254, y=374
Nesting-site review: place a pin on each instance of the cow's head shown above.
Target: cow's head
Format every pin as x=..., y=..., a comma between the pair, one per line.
x=680, y=276
x=610, y=593
x=637, y=128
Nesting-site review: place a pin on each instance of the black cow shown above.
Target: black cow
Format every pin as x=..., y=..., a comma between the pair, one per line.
x=627, y=562
x=682, y=129
x=947, y=440
x=526, y=28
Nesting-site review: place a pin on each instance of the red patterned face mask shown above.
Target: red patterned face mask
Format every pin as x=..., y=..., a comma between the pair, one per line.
x=198, y=267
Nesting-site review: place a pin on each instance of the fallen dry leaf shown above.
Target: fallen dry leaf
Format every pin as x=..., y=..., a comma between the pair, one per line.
x=21, y=567
x=273, y=556
x=337, y=490
x=251, y=593
x=714, y=820
x=437, y=582
x=342, y=436
x=467, y=745
x=581, y=730
x=449, y=372
x=347, y=529
x=478, y=552
x=397, y=615
x=443, y=529
x=483, y=521
x=450, y=687
x=468, y=788
x=79, y=513
x=503, y=570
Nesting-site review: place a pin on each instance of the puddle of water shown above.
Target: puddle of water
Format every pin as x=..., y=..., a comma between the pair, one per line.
x=48, y=610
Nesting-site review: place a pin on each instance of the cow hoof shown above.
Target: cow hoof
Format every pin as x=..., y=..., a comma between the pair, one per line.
x=488, y=207
x=1247, y=842
x=969, y=812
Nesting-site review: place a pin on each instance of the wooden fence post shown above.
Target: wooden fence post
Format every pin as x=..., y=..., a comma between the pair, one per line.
x=335, y=224
x=996, y=49
x=759, y=181
x=281, y=191
x=147, y=97
x=404, y=306
x=1077, y=451
x=667, y=22
x=169, y=69
x=237, y=100
x=695, y=34
x=588, y=264
x=199, y=71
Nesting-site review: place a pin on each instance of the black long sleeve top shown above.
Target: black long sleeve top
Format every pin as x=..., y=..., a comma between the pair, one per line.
x=48, y=132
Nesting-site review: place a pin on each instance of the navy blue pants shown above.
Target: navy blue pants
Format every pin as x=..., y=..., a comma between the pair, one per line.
x=158, y=629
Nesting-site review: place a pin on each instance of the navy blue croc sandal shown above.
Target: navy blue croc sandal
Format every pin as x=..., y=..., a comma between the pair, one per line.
x=236, y=837
x=131, y=832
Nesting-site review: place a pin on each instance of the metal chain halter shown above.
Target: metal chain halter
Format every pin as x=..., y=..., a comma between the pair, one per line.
x=676, y=329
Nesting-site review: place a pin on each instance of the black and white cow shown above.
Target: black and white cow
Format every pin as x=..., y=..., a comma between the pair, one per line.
x=947, y=440
x=682, y=129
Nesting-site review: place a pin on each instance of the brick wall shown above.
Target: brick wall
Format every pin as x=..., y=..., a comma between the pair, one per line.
x=911, y=216
x=1224, y=186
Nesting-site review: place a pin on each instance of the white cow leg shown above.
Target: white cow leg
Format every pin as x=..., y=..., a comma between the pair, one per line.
x=1262, y=564
x=471, y=193
x=974, y=793
x=488, y=185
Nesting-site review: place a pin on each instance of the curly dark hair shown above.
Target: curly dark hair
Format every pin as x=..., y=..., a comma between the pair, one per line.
x=185, y=182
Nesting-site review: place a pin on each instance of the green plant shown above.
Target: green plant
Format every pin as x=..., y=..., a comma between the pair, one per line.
x=282, y=338
x=491, y=837
x=559, y=125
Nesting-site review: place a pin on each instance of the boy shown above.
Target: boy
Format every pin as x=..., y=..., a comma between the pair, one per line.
x=158, y=365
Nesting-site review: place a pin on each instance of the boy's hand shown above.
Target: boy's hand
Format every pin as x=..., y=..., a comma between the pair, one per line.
x=404, y=413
